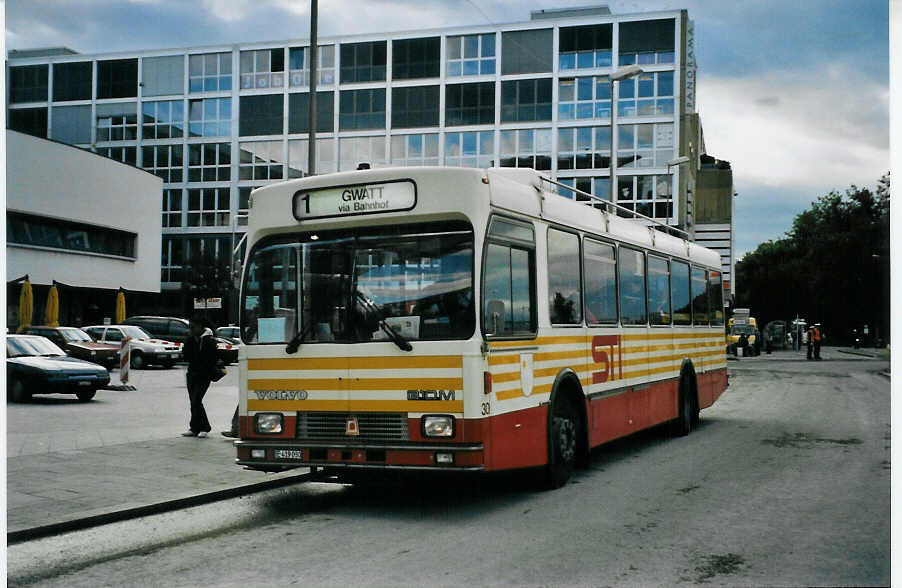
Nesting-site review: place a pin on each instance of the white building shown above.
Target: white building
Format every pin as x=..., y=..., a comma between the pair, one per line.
x=83, y=220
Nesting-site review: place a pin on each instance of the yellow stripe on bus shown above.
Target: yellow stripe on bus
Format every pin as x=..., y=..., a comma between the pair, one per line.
x=356, y=384
x=358, y=405
x=370, y=363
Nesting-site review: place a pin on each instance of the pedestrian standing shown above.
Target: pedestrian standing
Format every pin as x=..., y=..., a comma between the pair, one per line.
x=816, y=335
x=200, y=353
x=808, y=340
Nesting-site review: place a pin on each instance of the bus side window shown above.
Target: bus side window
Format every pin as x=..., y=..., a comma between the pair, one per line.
x=508, y=289
x=600, y=278
x=715, y=300
x=699, y=297
x=564, y=296
x=658, y=291
x=679, y=293
x=632, y=287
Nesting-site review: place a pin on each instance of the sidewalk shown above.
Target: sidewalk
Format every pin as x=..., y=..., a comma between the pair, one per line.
x=54, y=492
x=827, y=353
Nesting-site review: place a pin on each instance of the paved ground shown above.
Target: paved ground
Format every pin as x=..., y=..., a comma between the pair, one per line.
x=786, y=482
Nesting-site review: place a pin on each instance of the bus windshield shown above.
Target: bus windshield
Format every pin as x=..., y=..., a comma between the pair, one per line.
x=344, y=286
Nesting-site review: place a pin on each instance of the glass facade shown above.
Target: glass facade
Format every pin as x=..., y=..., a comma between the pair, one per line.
x=216, y=124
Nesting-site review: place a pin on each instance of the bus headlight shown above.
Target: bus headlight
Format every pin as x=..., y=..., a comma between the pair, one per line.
x=268, y=422
x=438, y=425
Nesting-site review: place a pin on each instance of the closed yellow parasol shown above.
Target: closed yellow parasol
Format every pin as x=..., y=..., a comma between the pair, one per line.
x=120, y=307
x=26, y=305
x=52, y=310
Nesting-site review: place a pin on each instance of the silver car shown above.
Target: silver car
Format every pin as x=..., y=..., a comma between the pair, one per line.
x=145, y=350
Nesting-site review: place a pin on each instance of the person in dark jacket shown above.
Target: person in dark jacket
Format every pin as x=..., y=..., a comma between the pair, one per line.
x=200, y=353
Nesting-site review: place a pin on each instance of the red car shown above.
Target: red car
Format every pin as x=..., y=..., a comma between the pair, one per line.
x=78, y=344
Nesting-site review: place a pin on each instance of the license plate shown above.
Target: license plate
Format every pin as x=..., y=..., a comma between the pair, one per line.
x=84, y=383
x=288, y=454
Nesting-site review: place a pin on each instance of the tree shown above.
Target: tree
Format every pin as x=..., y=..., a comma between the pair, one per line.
x=206, y=276
x=832, y=267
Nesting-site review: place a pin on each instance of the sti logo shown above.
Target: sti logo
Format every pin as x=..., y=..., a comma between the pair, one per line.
x=430, y=394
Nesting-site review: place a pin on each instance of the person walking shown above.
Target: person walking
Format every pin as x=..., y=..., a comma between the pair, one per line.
x=816, y=335
x=200, y=353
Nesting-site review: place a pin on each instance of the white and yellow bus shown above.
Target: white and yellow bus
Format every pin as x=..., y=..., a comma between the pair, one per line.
x=463, y=319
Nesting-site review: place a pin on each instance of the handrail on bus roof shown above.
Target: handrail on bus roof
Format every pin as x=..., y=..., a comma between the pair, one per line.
x=655, y=224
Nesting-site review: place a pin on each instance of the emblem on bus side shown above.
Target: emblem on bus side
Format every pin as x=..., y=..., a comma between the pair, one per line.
x=526, y=373
x=351, y=427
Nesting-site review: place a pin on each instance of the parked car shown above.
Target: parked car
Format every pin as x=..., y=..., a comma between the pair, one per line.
x=35, y=365
x=226, y=351
x=162, y=327
x=145, y=350
x=79, y=344
x=231, y=333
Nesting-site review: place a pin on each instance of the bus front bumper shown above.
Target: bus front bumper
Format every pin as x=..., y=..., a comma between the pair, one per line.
x=280, y=454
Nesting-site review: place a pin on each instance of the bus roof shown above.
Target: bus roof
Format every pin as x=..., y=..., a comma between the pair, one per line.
x=465, y=192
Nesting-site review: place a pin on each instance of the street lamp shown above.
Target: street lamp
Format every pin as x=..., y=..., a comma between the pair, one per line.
x=678, y=161
x=623, y=73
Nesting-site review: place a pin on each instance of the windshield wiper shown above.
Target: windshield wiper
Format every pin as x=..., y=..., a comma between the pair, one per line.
x=396, y=337
x=293, y=345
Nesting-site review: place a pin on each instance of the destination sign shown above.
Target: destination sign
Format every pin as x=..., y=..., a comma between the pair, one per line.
x=354, y=200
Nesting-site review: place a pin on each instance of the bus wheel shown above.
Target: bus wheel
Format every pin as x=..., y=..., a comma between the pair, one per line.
x=563, y=438
x=683, y=424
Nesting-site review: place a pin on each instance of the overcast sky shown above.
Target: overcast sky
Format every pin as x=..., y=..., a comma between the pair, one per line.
x=794, y=93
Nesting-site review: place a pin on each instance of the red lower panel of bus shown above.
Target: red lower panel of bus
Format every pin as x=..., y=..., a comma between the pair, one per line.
x=517, y=439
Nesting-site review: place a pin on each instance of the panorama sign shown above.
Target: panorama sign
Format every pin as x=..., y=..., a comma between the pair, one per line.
x=354, y=200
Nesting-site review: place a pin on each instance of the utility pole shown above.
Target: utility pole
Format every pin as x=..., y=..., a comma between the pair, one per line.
x=314, y=57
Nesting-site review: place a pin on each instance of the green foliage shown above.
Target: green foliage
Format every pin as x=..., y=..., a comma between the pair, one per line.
x=832, y=267
x=206, y=276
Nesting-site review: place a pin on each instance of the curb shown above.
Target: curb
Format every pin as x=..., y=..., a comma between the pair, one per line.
x=858, y=353
x=23, y=535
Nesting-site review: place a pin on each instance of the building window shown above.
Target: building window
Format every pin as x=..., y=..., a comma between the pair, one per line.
x=261, y=115
x=470, y=55
x=260, y=160
x=32, y=121
x=117, y=79
x=164, y=161
x=173, y=258
x=211, y=72
x=647, y=41
x=71, y=81
x=28, y=83
x=163, y=76
x=208, y=207
x=584, y=98
x=470, y=104
x=526, y=51
x=209, y=162
x=414, y=106
x=526, y=148
x=648, y=94
x=584, y=148
x=299, y=64
x=648, y=195
x=363, y=62
x=39, y=231
x=263, y=68
x=244, y=196
x=416, y=58
x=361, y=109
x=117, y=122
x=356, y=150
x=298, y=156
x=414, y=150
x=470, y=149
x=596, y=186
x=210, y=117
x=647, y=145
x=162, y=119
x=127, y=155
x=526, y=100
x=72, y=124
x=172, y=208
x=585, y=47
x=299, y=112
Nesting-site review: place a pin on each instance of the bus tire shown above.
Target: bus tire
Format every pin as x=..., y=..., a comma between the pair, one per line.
x=682, y=426
x=562, y=443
